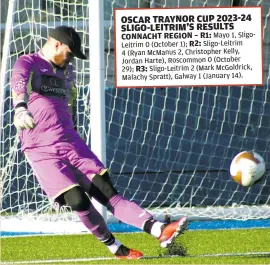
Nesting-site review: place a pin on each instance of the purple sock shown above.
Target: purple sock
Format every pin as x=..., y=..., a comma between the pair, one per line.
x=93, y=220
x=128, y=212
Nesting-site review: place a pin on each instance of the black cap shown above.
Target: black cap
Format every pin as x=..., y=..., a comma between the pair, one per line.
x=70, y=37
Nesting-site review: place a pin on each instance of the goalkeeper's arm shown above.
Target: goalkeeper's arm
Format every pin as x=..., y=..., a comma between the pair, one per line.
x=20, y=76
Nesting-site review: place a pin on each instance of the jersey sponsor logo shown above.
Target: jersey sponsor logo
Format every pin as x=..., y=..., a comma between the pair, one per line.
x=53, y=90
x=44, y=70
x=54, y=82
x=50, y=86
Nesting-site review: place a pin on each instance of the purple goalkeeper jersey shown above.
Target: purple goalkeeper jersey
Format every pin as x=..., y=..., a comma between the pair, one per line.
x=51, y=90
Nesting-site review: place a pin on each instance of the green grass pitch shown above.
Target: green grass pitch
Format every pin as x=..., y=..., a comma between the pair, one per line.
x=241, y=246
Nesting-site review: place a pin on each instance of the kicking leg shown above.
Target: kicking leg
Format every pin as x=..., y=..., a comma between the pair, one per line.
x=103, y=190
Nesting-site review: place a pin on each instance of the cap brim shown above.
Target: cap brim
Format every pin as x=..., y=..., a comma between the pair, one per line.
x=79, y=55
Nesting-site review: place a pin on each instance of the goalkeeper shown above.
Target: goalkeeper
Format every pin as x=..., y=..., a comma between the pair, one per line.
x=43, y=90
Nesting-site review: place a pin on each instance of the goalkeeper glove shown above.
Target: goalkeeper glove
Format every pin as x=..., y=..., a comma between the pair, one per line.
x=23, y=118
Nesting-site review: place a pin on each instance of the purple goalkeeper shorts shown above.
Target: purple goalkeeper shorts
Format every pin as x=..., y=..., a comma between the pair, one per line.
x=56, y=166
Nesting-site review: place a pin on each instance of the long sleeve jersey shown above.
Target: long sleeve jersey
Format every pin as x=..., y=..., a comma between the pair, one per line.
x=51, y=90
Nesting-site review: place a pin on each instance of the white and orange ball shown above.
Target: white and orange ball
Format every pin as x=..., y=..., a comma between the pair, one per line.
x=247, y=168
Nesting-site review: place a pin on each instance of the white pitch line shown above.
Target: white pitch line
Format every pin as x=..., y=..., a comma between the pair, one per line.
x=58, y=260
x=267, y=254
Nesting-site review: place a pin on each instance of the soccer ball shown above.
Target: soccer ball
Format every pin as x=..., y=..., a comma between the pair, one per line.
x=247, y=168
